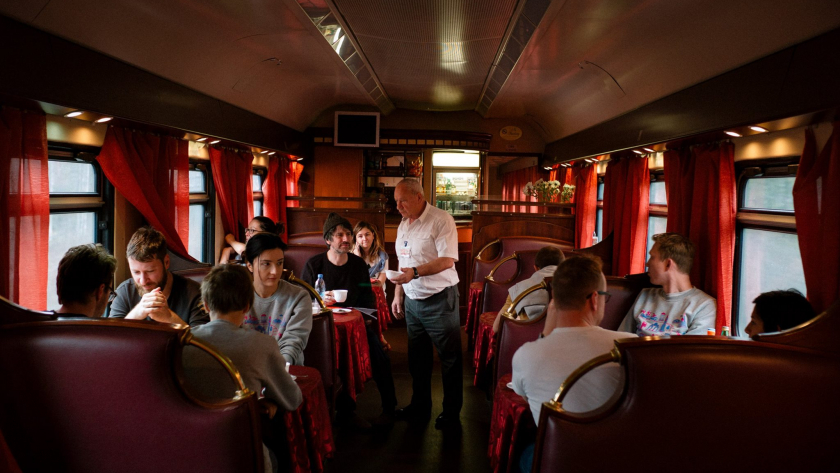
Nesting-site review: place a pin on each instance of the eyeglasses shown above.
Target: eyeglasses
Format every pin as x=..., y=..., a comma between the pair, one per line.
x=606, y=295
x=251, y=231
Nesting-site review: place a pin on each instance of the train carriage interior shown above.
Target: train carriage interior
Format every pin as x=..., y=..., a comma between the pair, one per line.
x=718, y=120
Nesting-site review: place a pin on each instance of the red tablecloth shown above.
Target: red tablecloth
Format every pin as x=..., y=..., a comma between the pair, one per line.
x=483, y=348
x=353, y=351
x=473, y=306
x=383, y=312
x=511, y=428
x=308, y=428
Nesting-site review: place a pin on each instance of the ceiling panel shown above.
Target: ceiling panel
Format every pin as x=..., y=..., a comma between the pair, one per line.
x=429, y=55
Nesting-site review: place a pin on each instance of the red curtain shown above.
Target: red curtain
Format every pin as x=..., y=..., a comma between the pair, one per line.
x=25, y=204
x=626, y=201
x=700, y=186
x=152, y=172
x=232, y=173
x=816, y=201
x=513, y=182
x=292, y=178
x=586, y=201
x=274, y=189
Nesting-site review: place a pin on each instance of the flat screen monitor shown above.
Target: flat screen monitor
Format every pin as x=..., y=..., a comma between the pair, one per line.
x=358, y=129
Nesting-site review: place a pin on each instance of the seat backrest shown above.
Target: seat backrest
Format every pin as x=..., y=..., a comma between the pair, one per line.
x=512, y=335
x=195, y=274
x=820, y=333
x=107, y=395
x=320, y=348
x=297, y=255
x=686, y=399
x=624, y=291
x=504, y=274
x=307, y=238
x=11, y=313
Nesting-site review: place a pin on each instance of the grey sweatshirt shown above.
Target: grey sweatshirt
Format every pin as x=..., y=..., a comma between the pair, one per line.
x=689, y=312
x=286, y=316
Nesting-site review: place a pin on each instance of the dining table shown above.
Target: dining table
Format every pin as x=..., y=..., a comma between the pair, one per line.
x=352, y=351
x=483, y=351
x=308, y=428
x=383, y=312
x=512, y=427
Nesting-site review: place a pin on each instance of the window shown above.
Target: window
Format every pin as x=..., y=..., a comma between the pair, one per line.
x=78, y=211
x=256, y=185
x=599, y=210
x=658, y=210
x=767, y=248
x=202, y=208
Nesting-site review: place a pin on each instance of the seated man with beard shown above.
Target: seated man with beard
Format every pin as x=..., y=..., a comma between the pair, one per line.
x=154, y=293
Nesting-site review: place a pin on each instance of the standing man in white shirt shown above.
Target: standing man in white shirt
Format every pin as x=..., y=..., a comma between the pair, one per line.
x=427, y=249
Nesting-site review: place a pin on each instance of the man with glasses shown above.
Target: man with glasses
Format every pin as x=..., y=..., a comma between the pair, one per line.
x=85, y=281
x=571, y=337
x=677, y=308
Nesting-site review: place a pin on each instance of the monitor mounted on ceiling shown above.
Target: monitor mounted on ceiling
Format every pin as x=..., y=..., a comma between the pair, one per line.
x=357, y=129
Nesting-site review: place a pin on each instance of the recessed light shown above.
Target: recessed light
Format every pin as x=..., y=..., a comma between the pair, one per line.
x=73, y=114
x=214, y=142
x=758, y=129
x=264, y=152
x=272, y=153
x=104, y=119
x=732, y=133
x=637, y=151
x=649, y=150
x=201, y=139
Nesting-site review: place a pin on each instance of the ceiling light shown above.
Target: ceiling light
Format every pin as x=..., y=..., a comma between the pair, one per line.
x=264, y=152
x=758, y=129
x=732, y=133
x=214, y=142
x=547, y=168
x=104, y=119
x=649, y=150
x=637, y=151
x=337, y=34
x=201, y=139
x=272, y=153
x=73, y=114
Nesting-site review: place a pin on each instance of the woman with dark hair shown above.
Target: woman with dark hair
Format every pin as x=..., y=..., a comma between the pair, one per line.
x=233, y=253
x=280, y=308
x=779, y=310
x=369, y=248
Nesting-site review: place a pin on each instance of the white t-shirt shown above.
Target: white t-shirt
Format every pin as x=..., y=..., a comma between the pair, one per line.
x=541, y=366
x=535, y=302
x=431, y=236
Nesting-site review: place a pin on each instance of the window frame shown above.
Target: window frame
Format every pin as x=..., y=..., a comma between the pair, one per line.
x=208, y=200
x=781, y=221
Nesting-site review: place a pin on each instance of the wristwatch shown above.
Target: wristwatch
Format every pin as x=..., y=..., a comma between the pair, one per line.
x=416, y=274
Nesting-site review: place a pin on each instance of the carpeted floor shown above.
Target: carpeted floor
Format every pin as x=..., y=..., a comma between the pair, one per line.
x=408, y=448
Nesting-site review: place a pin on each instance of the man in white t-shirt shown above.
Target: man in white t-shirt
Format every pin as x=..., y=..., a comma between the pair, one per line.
x=571, y=337
x=533, y=304
x=677, y=308
x=427, y=248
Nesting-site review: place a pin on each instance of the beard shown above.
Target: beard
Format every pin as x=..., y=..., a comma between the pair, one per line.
x=162, y=284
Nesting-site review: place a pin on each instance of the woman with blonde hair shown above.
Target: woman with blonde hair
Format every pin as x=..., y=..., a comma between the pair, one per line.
x=369, y=248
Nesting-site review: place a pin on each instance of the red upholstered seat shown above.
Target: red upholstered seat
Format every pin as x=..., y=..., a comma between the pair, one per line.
x=307, y=238
x=297, y=255
x=624, y=291
x=822, y=333
x=697, y=404
x=106, y=395
x=11, y=313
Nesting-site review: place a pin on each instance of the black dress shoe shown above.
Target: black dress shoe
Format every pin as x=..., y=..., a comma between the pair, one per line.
x=446, y=421
x=413, y=414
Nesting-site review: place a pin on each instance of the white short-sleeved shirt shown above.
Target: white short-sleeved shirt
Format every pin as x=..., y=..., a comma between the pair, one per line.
x=431, y=236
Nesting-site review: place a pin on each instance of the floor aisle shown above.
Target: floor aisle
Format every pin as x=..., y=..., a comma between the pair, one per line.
x=407, y=448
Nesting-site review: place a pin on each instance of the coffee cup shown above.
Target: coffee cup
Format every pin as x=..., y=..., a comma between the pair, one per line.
x=340, y=295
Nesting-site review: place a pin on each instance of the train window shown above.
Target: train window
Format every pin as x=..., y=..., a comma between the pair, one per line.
x=256, y=188
x=78, y=214
x=201, y=214
x=767, y=248
x=658, y=210
x=599, y=210
x=772, y=193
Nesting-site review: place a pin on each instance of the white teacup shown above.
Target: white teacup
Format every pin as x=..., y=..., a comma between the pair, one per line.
x=340, y=295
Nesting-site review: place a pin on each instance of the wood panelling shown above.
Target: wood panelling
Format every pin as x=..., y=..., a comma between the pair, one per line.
x=338, y=171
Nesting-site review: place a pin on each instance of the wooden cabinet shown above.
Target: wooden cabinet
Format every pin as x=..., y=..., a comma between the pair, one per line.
x=385, y=168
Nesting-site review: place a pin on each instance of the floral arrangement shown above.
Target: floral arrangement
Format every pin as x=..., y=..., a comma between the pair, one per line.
x=545, y=191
